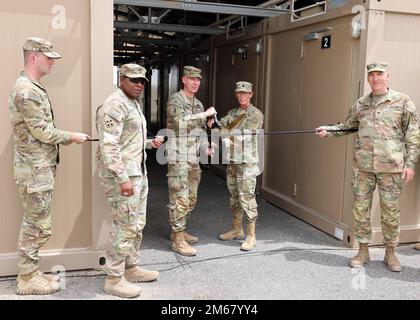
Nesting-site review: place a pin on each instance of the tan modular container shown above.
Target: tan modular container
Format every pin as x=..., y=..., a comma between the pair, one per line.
x=82, y=32
x=301, y=85
x=308, y=86
x=298, y=85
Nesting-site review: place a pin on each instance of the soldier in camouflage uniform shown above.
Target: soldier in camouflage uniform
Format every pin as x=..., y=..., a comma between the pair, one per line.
x=36, y=157
x=185, y=116
x=121, y=161
x=386, y=152
x=243, y=168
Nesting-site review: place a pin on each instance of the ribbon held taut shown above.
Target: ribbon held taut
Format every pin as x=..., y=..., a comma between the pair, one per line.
x=265, y=133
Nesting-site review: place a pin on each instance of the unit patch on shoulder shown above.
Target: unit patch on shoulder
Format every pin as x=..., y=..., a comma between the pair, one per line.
x=109, y=122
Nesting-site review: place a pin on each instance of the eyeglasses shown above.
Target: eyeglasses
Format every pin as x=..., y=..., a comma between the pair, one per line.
x=137, y=80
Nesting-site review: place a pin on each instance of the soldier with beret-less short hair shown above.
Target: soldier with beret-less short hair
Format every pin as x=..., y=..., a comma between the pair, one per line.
x=385, y=155
x=243, y=167
x=36, y=157
x=185, y=116
x=121, y=161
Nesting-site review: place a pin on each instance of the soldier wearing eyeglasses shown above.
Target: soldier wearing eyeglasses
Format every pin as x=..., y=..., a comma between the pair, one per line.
x=121, y=161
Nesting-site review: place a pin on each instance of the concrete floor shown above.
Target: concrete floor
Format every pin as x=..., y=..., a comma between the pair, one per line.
x=292, y=260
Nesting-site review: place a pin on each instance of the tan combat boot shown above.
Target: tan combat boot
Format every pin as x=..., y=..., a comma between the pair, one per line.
x=391, y=260
x=120, y=287
x=188, y=237
x=417, y=246
x=35, y=283
x=250, y=240
x=237, y=231
x=361, y=257
x=181, y=246
x=49, y=277
x=137, y=274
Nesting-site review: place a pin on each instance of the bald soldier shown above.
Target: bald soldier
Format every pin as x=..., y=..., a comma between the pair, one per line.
x=243, y=167
x=386, y=153
x=121, y=160
x=36, y=158
x=185, y=116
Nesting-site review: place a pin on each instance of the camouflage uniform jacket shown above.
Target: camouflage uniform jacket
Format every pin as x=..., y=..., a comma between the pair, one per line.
x=35, y=135
x=388, y=133
x=122, y=138
x=243, y=149
x=186, y=117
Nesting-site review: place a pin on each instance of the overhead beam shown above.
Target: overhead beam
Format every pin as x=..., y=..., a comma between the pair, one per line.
x=141, y=55
x=118, y=49
x=151, y=41
x=208, y=7
x=136, y=13
x=168, y=27
x=120, y=60
x=162, y=15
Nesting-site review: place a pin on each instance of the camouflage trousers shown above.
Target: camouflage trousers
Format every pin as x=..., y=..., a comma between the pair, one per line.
x=36, y=227
x=242, y=192
x=128, y=221
x=389, y=187
x=183, y=182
